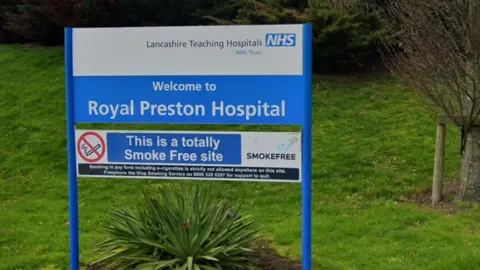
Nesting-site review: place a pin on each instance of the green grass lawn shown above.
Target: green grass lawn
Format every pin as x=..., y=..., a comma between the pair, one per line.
x=372, y=145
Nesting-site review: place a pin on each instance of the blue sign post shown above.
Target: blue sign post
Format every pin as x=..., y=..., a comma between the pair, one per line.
x=190, y=75
x=307, y=152
x=72, y=170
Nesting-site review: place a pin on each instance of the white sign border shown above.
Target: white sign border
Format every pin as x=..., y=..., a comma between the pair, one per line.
x=78, y=132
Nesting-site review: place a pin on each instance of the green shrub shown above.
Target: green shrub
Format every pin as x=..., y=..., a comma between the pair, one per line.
x=345, y=39
x=7, y=7
x=258, y=12
x=186, y=228
x=43, y=21
x=296, y=4
x=178, y=12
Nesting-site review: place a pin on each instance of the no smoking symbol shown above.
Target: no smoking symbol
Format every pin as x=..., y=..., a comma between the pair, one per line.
x=91, y=147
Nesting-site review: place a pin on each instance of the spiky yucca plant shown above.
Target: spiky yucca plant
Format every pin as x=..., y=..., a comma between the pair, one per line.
x=179, y=228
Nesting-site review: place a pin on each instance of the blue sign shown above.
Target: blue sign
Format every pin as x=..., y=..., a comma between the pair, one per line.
x=281, y=40
x=243, y=156
x=177, y=148
x=242, y=74
x=189, y=99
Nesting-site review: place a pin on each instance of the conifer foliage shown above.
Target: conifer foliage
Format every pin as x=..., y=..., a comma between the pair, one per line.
x=346, y=36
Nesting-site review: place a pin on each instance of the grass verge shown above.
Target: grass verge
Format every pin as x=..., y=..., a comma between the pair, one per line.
x=373, y=145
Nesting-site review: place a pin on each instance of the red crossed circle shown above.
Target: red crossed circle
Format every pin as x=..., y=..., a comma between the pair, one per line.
x=86, y=147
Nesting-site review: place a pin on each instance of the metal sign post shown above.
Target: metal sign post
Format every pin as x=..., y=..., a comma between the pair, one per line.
x=241, y=75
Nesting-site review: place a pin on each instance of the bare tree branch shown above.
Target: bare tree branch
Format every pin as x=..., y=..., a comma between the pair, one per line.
x=439, y=53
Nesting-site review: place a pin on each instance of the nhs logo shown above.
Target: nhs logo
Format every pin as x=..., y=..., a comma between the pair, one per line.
x=281, y=40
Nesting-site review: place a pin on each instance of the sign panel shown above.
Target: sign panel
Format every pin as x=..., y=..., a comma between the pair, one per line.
x=241, y=156
x=241, y=74
x=198, y=75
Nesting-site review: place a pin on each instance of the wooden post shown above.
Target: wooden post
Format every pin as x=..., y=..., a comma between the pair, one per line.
x=437, y=187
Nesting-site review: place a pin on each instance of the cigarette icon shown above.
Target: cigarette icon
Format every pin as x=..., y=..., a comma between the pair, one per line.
x=91, y=151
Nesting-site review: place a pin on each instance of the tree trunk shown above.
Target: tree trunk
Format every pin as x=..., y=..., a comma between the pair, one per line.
x=470, y=173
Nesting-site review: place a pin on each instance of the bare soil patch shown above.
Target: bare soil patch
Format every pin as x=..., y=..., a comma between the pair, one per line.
x=268, y=258
x=424, y=199
x=271, y=260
